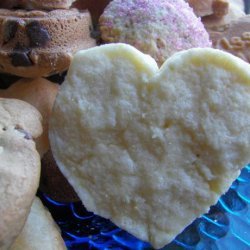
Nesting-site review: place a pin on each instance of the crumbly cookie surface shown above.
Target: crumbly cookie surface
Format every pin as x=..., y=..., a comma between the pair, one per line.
x=19, y=165
x=152, y=149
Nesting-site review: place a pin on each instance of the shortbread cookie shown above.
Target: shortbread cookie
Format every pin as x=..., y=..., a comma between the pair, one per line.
x=41, y=94
x=19, y=165
x=41, y=43
x=40, y=231
x=37, y=4
x=158, y=28
x=53, y=183
x=152, y=149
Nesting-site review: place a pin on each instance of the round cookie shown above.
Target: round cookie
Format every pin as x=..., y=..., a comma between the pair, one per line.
x=152, y=149
x=158, y=28
x=19, y=165
x=40, y=93
x=37, y=4
x=39, y=232
x=41, y=43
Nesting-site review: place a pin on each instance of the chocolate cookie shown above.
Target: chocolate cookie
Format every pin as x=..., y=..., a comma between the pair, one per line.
x=41, y=43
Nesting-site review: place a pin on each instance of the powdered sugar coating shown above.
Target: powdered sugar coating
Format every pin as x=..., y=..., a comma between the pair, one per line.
x=159, y=28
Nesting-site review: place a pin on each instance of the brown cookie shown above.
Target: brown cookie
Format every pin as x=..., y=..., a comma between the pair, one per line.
x=41, y=94
x=40, y=231
x=37, y=4
x=236, y=39
x=19, y=165
x=41, y=43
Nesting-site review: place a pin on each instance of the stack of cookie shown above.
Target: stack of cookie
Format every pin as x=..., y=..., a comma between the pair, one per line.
x=38, y=40
x=37, y=43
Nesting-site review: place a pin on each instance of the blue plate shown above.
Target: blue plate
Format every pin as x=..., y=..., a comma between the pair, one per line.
x=225, y=227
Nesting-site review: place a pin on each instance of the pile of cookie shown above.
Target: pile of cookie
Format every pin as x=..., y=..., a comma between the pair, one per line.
x=38, y=39
x=37, y=44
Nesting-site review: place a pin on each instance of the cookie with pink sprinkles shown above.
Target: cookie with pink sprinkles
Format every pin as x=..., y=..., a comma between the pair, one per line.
x=159, y=28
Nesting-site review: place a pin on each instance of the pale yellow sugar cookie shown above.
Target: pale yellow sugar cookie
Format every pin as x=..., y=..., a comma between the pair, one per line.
x=40, y=93
x=19, y=165
x=40, y=231
x=152, y=149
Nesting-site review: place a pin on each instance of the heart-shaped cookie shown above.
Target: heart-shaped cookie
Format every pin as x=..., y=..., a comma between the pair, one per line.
x=152, y=149
x=19, y=166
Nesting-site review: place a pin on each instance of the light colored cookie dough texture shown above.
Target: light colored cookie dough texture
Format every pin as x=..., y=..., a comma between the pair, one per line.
x=19, y=165
x=152, y=149
x=40, y=231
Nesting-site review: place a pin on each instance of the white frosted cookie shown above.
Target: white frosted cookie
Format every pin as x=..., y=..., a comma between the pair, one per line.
x=40, y=231
x=19, y=165
x=152, y=149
